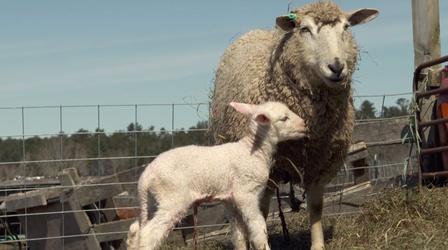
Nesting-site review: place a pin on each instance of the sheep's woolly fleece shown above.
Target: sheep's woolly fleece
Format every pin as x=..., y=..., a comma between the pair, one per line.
x=267, y=65
x=322, y=12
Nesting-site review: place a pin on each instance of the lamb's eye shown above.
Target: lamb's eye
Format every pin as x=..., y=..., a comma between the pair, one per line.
x=305, y=30
x=346, y=26
x=284, y=119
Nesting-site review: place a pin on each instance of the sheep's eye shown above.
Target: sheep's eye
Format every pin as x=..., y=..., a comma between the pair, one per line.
x=346, y=26
x=305, y=30
x=284, y=119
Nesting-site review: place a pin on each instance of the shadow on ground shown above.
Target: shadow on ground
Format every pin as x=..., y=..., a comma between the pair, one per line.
x=300, y=240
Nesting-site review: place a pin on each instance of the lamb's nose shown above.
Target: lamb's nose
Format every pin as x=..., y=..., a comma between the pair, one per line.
x=302, y=125
x=336, y=67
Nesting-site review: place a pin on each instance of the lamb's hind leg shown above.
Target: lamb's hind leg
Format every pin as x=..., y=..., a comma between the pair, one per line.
x=157, y=229
x=314, y=204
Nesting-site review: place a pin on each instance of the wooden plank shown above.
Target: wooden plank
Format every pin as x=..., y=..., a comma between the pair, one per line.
x=358, y=156
x=109, y=227
x=131, y=174
x=76, y=222
x=50, y=225
x=356, y=147
x=91, y=193
x=381, y=130
x=69, y=177
x=21, y=201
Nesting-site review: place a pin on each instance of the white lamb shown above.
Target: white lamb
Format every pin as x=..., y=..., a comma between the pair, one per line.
x=236, y=173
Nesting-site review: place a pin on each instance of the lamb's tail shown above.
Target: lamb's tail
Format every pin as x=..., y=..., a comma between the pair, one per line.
x=143, y=197
x=132, y=242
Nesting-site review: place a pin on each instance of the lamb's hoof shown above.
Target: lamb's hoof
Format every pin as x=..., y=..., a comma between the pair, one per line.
x=317, y=247
x=240, y=245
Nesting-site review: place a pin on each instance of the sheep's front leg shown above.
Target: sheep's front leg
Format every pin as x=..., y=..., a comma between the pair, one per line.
x=249, y=208
x=314, y=204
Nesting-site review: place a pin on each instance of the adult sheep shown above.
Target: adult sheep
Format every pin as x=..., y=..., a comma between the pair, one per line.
x=307, y=62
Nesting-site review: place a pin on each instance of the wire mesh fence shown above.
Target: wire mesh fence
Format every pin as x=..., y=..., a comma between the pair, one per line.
x=105, y=147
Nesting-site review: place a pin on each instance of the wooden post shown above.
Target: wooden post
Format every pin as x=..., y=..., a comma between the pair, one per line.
x=426, y=33
x=426, y=30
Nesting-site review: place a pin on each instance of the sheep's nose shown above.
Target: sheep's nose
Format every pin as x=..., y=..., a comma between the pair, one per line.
x=336, y=67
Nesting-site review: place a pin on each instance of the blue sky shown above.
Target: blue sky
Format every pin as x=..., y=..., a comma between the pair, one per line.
x=127, y=52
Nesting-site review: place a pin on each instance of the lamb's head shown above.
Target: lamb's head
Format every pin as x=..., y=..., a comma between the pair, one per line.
x=273, y=119
x=320, y=40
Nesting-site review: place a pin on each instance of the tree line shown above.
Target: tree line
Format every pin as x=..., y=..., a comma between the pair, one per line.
x=367, y=110
x=131, y=141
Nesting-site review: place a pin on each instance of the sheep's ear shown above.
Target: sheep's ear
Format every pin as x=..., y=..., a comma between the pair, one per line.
x=262, y=119
x=243, y=108
x=287, y=22
x=362, y=16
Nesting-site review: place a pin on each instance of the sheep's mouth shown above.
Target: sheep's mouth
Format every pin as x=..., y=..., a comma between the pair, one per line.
x=334, y=81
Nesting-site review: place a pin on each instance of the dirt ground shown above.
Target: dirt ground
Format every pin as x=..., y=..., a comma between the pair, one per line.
x=395, y=219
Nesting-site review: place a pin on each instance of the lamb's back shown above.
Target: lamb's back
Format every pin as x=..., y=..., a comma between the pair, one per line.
x=199, y=168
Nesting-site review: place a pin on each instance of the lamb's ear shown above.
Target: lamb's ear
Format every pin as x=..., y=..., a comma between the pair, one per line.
x=361, y=16
x=243, y=108
x=262, y=119
x=287, y=22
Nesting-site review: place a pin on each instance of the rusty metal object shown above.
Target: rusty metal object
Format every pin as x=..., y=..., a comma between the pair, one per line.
x=428, y=93
x=420, y=124
x=434, y=174
x=425, y=65
x=434, y=150
x=433, y=122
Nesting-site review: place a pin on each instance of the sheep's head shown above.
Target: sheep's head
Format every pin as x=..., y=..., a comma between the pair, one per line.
x=273, y=118
x=320, y=40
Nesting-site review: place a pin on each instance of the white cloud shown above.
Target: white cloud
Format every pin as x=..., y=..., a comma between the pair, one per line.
x=152, y=68
x=63, y=44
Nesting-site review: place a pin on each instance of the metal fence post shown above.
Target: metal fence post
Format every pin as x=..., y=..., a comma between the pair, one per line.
x=100, y=171
x=24, y=170
x=61, y=156
x=135, y=135
x=172, y=125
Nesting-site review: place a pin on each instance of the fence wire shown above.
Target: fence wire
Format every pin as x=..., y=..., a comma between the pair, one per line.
x=26, y=187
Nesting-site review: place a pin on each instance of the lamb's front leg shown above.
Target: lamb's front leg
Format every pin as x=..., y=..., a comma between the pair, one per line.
x=248, y=206
x=238, y=229
x=265, y=201
x=314, y=204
